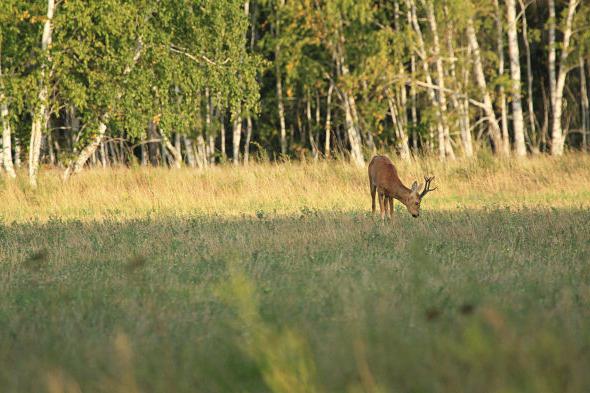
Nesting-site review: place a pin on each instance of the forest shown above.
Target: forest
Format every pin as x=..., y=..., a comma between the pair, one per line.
x=199, y=83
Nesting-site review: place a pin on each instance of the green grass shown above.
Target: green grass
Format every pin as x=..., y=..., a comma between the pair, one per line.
x=275, y=278
x=463, y=301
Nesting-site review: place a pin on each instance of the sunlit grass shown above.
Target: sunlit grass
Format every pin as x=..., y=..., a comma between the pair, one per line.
x=285, y=189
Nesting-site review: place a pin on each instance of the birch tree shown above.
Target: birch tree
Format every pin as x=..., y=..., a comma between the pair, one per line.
x=480, y=78
x=40, y=113
x=6, y=129
x=513, y=51
x=557, y=133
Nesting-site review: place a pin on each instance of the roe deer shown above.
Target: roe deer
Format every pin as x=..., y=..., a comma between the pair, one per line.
x=385, y=182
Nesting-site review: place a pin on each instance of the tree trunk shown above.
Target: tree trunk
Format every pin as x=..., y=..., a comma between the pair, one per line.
x=447, y=150
x=585, y=105
x=143, y=154
x=458, y=103
x=190, y=152
x=6, y=132
x=152, y=136
x=222, y=130
x=237, y=135
x=413, y=111
x=85, y=154
x=248, y=138
x=529, y=73
x=202, y=160
x=552, y=57
x=176, y=154
x=413, y=20
x=17, y=152
x=279, y=84
x=354, y=137
x=466, y=129
x=312, y=142
x=400, y=135
x=209, y=129
x=104, y=157
x=40, y=115
x=557, y=133
x=494, y=130
x=513, y=51
x=328, y=120
x=502, y=94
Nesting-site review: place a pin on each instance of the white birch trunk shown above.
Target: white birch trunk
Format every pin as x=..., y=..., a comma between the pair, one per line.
x=86, y=152
x=466, y=134
x=529, y=73
x=494, y=129
x=502, y=94
x=176, y=154
x=312, y=142
x=40, y=115
x=17, y=152
x=458, y=104
x=6, y=132
x=400, y=134
x=279, y=85
x=237, y=135
x=552, y=57
x=585, y=104
x=222, y=131
x=446, y=138
x=514, y=53
x=202, y=161
x=413, y=20
x=413, y=110
x=209, y=130
x=354, y=137
x=190, y=152
x=328, y=120
x=557, y=133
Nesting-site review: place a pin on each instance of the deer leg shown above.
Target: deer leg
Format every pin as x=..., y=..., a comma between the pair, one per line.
x=390, y=207
x=373, y=192
x=381, y=207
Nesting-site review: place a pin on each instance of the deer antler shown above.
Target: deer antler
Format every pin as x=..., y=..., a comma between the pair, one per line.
x=427, y=189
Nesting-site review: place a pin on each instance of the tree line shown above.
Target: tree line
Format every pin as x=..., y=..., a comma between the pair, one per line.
x=201, y=82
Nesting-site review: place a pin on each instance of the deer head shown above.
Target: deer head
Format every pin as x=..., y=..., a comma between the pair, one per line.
x=414, y=199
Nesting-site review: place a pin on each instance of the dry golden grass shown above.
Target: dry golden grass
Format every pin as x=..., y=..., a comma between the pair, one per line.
x=288, y=188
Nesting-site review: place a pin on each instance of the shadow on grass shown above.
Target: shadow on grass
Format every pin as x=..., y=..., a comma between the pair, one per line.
x=321, y=301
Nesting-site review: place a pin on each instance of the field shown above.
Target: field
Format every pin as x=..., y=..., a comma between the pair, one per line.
x=275, y=278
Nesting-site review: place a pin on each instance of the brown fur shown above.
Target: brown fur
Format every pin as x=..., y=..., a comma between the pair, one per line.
x=385, y=182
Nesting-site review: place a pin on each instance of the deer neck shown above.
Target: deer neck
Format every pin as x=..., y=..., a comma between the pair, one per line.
x=400, y=192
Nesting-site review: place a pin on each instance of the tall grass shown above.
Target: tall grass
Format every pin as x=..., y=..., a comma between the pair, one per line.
x=279, y=189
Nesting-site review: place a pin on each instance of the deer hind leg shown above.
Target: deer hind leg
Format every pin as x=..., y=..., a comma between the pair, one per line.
x=390, y=207
x=373, y=192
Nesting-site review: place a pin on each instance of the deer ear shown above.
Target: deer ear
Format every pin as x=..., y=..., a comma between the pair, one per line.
x=415, y=186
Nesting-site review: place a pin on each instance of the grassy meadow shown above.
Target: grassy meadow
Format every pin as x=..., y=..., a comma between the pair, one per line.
x=275, y=278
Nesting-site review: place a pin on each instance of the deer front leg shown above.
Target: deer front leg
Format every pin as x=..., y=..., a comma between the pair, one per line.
x=386, y=206
x=381, y=207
